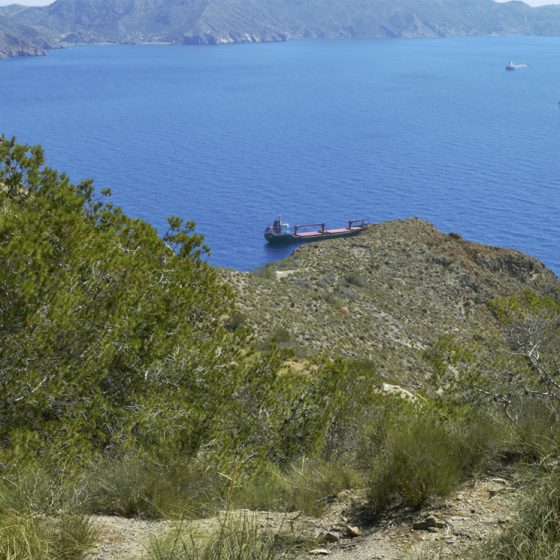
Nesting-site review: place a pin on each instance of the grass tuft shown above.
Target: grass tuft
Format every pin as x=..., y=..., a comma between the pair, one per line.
x=137, y=485
x=236, y=538
x=24, y=536
x=304, y=487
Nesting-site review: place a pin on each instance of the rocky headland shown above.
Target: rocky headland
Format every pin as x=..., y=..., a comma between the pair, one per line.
x=21, y=40
x=384, y=295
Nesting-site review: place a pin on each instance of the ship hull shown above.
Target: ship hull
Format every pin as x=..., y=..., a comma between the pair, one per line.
x=288, y=238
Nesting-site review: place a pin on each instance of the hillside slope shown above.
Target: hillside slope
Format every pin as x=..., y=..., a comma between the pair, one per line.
x=129, y=389
x=385, y=295
x=21, y=40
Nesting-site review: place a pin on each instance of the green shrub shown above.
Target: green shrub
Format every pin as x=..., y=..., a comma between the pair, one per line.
x=304, y=486
x=108, y=331
x=41, y=489
x=355, y=279
x=236, y=321
x=266, y=271
x=74, y=536
x=331, y=299
x=24, y=537
x=138, y=485
x=40, y=515
x=424, y=451
x=417, y=462
x=480, y=438
x=536, y=433
x=281, y=336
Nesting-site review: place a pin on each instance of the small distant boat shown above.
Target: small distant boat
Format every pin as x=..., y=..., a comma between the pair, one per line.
x=511, y=66
x=280, y=233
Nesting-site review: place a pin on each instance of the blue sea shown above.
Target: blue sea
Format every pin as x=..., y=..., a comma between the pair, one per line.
x=315, y=130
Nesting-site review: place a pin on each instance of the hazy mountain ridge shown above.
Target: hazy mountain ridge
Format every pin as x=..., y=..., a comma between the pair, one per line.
x=30, y=30
x=21, y=40
x=11, y=9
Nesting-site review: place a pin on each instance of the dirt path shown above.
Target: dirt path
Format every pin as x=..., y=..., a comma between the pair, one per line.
x=465, y=519
x=124, y=539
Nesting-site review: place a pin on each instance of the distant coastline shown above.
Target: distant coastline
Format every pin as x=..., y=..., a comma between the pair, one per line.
x=31, y=31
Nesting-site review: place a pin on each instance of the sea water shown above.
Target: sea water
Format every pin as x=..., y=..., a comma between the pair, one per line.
x=318, y=131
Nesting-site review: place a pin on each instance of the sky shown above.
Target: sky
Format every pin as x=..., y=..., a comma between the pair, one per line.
x=26, y=2
x=45, y=2
x=530, y=2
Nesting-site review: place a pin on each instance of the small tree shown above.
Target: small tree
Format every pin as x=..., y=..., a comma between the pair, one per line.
x=108, y=332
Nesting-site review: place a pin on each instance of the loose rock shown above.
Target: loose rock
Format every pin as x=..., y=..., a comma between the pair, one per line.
x=352, y=532
x=331, y=536
x=430, y=522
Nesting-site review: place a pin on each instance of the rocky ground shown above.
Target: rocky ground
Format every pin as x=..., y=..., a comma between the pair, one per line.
x=447, y=529
x=444, y=529
x=20, y=40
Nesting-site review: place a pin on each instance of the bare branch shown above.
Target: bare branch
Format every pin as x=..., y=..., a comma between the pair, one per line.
x=34, y=390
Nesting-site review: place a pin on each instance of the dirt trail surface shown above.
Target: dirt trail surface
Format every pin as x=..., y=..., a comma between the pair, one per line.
x=449, y=527
x=464, y=520
x=123, y=539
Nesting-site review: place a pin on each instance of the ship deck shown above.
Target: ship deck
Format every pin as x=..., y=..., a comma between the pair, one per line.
x=327, y=232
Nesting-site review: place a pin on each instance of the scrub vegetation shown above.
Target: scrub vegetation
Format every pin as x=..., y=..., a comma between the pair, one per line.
x=132, y=385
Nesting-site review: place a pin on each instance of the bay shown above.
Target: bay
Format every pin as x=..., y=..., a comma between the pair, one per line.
x=315, y=130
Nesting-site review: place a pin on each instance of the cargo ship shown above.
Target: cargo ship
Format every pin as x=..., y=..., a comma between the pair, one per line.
x=280, y=232
x=511, y=66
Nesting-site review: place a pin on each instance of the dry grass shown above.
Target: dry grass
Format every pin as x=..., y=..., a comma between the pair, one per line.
x=235, y=538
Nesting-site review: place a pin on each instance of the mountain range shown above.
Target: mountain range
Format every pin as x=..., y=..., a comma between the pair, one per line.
x=32, y=30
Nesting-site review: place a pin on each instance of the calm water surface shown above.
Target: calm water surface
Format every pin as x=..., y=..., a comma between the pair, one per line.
x=316, y=130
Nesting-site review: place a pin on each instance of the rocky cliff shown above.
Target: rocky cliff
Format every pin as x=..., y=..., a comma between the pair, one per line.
x=234, y=21
x=21, y=40
x=385, y=295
